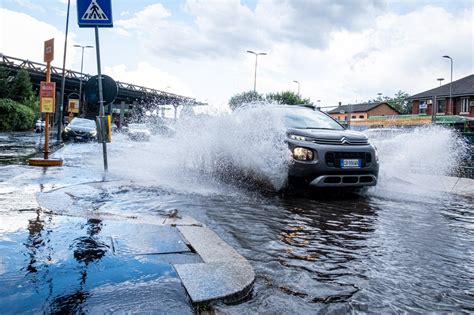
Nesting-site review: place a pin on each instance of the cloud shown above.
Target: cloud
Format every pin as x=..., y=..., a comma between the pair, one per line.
x=27, y=39
x=339, y=51
x=30, y=5
x=225, y=28
x=147, y=75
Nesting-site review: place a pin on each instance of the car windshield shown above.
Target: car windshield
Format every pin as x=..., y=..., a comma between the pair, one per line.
x=137, y=126
x=303, y=118
x=83, y=123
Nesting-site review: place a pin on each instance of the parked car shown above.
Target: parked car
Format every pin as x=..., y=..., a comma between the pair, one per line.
x=325, y=154
x=39, y=126
x=80, y=129
x=138, y=132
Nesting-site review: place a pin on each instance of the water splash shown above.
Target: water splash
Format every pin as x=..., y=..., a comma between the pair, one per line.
x=245, y=144
x=420, y=155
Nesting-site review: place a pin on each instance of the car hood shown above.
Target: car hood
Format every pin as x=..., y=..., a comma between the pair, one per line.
x=328, y=134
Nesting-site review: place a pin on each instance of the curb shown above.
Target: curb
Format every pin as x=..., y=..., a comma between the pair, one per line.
x=223, y=275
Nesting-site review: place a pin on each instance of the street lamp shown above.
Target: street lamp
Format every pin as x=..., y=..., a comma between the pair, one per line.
x=450, y=84
x=297, y=82
x=255, y=78
x=82, y=62
x=440, y=79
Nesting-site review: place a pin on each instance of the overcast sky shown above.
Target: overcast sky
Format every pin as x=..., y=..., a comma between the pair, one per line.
x=339, y=50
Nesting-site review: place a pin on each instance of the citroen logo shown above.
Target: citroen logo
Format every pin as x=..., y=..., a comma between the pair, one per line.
x=344, y=140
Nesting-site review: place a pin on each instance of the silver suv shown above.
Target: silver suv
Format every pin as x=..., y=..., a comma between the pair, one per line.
x=324, y=153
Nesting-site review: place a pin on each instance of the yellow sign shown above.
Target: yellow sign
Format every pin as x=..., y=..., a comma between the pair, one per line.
x=47, y=104
x=73, y=106
x=47, y=96
x=109, y=129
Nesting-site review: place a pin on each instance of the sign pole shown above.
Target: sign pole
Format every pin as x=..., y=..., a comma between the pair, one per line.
x=47, y=104
x=101, y=96
x=46, y=122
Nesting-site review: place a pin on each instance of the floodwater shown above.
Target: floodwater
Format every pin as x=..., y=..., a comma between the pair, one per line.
x=399, y=247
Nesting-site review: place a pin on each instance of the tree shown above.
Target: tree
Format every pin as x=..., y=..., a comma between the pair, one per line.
x=288, y=98
x=243, y=98
x=4, y=82
x=399, y=102
x=21, y=90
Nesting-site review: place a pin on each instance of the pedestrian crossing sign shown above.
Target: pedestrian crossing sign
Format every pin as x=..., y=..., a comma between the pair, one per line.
x=92, y=13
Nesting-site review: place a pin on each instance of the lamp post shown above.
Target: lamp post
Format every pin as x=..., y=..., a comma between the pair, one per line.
x=450, y=84
x=82, y=62
x=255, y=77
x=440, y=80
x=63, y=78
x=297, y=82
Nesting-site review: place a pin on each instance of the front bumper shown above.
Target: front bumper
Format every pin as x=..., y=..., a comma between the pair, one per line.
x=79, y=137
x=325, y=169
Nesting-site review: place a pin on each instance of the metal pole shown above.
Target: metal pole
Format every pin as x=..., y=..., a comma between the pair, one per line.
x=80, y=82
x=101, y=98
x=451, y=88
x=298, y=82
x=450, y=85
x=46, y=122
x=349, y=117
x=255, y=77
x=63, y=79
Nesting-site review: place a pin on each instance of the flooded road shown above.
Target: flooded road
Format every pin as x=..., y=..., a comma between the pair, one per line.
x=395, y=248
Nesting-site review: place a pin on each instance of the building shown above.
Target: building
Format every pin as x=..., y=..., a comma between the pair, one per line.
x=462, y=103
x=362, y=111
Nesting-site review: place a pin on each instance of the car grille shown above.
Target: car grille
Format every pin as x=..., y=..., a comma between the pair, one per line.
x=341, y=141
x=333, y=159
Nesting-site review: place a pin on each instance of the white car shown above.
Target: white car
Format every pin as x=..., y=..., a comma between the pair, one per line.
x=138, y=132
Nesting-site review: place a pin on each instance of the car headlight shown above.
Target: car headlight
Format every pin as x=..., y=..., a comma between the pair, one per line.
x=376, y=154
x=67, y=129
x=298, y=138
x=303, y=154
x=93, y=133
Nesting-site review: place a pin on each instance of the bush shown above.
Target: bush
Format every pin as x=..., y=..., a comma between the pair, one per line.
x=14, y=116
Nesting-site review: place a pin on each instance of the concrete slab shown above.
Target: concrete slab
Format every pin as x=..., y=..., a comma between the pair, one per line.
x=464, y=186
x=145, y=239
x=209, y=246
x=225, y=275
x=449, y=184
x=216, y=281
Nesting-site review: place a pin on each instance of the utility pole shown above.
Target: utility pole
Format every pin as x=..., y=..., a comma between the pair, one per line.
x=297, y=82
x=80, y=79
x=450, y=86
x=63, y=78
x=255, y=76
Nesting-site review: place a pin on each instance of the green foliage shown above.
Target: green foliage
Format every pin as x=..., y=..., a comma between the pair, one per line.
x=4, y=82
x=399, y=102
x=15, y=116
x=21, y=89
x=285, y=97
x=288, y=98
x=243, y=98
